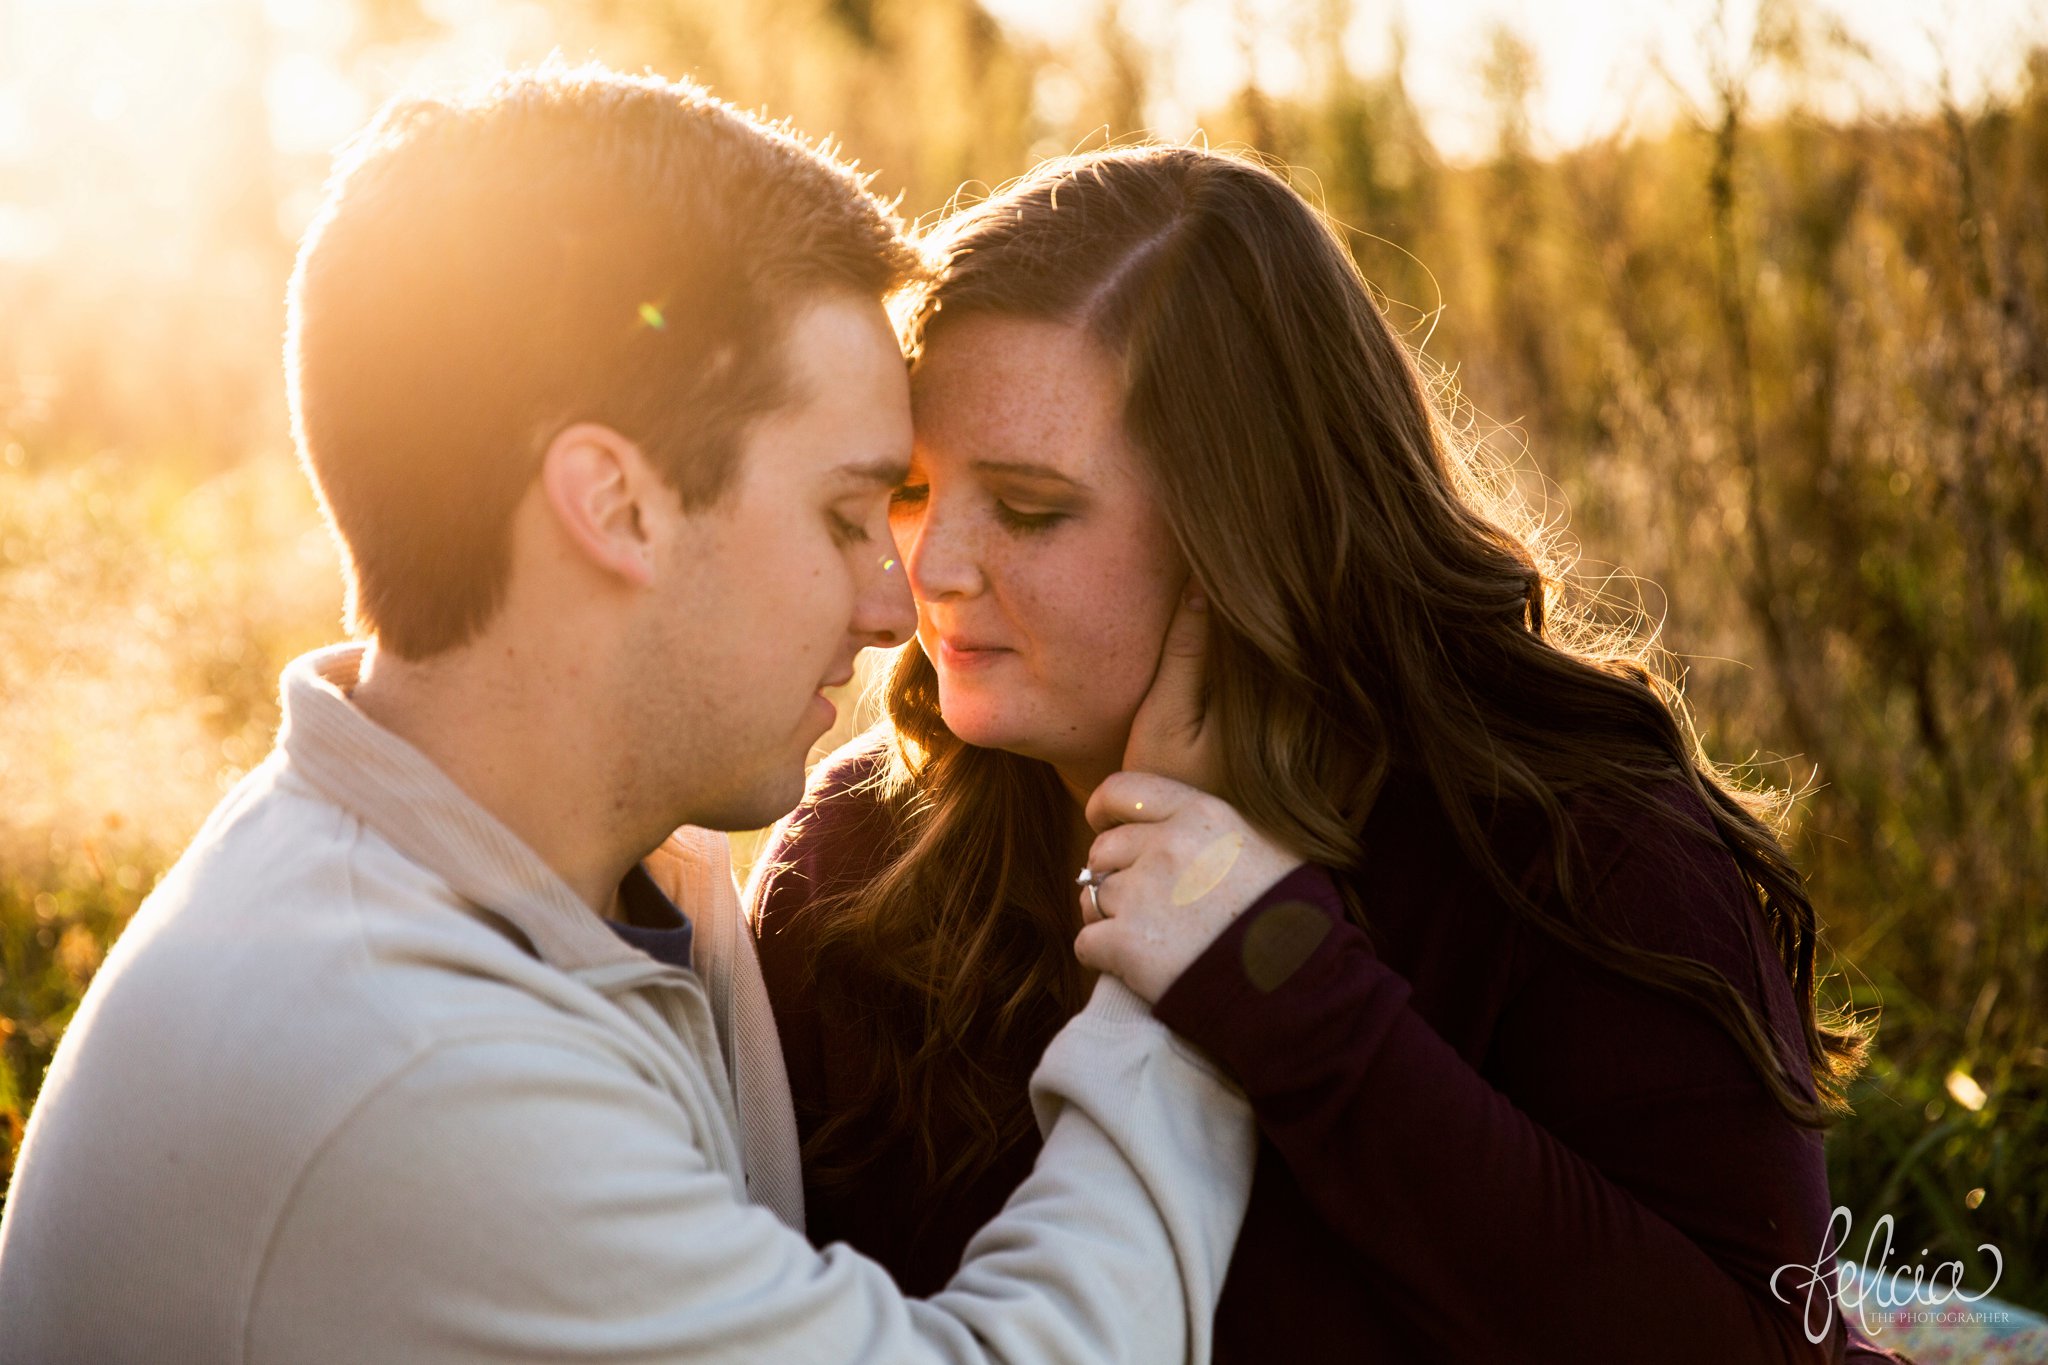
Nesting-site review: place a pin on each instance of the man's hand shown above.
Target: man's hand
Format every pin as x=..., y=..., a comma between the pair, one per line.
x=1181, y=865
x=1171, y=734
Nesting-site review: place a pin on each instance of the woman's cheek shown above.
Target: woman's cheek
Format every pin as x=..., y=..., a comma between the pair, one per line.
x=1093, y=603
x=1111, y=649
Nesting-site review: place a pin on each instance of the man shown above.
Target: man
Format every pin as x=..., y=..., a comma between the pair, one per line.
x=406, y=1059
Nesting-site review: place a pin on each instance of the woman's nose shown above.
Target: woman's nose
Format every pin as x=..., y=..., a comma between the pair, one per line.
x=941, y=554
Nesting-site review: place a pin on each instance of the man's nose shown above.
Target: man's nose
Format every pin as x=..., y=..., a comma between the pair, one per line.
x=886, y=615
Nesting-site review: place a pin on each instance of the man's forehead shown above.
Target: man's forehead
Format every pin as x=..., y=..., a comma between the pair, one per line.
x=843, y=418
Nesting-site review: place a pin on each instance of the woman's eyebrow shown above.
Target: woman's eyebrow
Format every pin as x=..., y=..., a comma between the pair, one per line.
x=1024, y=469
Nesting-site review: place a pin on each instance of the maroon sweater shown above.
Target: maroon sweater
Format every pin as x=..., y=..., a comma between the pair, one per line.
x=1474, y=1143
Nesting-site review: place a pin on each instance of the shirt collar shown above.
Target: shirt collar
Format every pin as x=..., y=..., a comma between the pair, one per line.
x=399, y=792
x=650, y=921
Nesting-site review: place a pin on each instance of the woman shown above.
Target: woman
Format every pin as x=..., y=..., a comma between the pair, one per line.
x=1530, y=1033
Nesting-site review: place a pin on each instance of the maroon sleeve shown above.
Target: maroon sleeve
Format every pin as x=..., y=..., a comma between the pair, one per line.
x=1511, y=1241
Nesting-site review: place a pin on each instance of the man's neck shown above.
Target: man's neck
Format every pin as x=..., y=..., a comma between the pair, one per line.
x=518, y=744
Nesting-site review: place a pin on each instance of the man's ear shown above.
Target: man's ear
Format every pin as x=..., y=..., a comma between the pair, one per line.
x=597, y=485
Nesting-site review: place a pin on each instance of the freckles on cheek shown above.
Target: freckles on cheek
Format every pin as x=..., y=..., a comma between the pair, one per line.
x=1100, y=630
x=1127, y=658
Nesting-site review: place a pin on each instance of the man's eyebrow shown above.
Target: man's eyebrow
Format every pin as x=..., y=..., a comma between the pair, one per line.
x=1024, y=469
x=885, y=472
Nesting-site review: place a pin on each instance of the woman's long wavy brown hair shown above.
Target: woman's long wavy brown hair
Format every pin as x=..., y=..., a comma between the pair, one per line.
x=1370, y=606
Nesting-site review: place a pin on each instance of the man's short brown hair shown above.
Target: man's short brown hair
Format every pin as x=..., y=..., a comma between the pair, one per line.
x=559, y=246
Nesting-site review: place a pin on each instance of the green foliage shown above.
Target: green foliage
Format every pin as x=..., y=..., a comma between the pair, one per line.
x=57, y=916
x=143, y=621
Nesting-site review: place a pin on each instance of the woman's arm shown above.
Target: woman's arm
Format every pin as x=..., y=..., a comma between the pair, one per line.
x=1510, y=1240
x=1510, y=1243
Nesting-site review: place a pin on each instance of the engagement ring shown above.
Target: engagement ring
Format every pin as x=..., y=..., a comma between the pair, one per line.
x=1088, y=881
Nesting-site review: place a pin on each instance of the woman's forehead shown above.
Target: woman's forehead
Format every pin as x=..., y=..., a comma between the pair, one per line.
x=1018, y=392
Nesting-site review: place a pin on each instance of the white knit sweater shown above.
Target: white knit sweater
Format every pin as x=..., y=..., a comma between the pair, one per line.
x=363, y=1080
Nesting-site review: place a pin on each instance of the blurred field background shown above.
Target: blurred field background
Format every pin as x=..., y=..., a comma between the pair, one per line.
x=1752, y=297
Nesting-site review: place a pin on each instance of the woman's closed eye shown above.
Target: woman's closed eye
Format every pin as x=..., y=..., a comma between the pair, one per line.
x=911, y=496
x=1017, y=520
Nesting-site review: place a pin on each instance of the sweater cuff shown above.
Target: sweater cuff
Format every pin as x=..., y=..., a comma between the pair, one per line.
x=1113, y=1003
x=1246, y=997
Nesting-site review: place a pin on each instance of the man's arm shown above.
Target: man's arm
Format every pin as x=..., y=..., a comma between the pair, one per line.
x=533, y=1197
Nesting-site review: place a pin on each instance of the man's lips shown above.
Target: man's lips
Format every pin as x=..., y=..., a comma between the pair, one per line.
x=819, y=699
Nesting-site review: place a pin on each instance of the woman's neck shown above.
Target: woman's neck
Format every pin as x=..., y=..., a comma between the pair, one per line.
x=1081, y=780
x=1079, y=837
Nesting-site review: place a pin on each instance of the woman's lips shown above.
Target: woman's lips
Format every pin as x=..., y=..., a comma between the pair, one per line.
x=961, y=655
